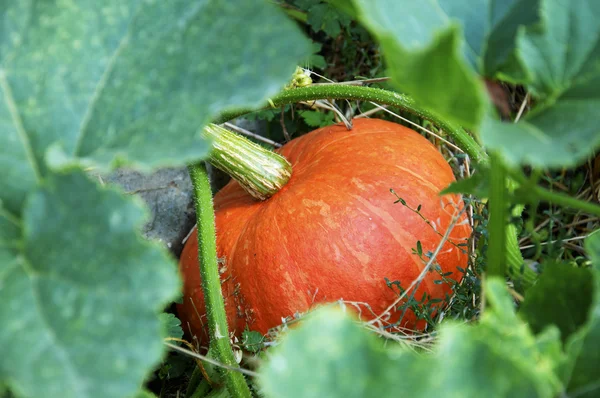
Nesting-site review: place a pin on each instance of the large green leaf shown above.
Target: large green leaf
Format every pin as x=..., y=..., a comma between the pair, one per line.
x=101, y=83
x=562, y=54
x=490, y=28
x=112, y=81
x=562, y=296
x=435, y=49
x=499, y=357
x=329, y=356
x=81, y=291
x=583, y=347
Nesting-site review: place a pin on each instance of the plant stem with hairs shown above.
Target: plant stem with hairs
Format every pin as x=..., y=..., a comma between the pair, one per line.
x=380, y=96
x=211, y=282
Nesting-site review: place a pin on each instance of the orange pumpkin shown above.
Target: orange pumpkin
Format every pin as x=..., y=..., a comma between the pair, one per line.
x=333, y=232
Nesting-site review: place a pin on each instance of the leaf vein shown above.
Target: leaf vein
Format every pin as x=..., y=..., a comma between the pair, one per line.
x=102, y=82
x=61, y=351
x=18, y=124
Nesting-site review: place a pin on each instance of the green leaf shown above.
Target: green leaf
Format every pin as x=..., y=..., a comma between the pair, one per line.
x=315, y=60
x=477, y=184
x=101, y=84
x=583, y=347
x=499, y=357
x=252, y=340
x=563, y=56
x=326, y=18
x=328, y=356
x=81, y=291
x=459, y=96
x=490, y=29
x=563, y=135
x=176, y=366
x=110, y=82
x=317, y=119
x=562, y=297
x=562, y=51
x=306, y=4
x=346, y=6
x=433, y=60
x=171, y=325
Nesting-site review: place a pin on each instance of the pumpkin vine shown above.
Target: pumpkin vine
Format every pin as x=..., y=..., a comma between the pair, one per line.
x=384, y=97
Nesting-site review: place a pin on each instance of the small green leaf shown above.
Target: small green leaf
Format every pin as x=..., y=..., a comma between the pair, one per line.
x=315, y=61
x=176, y=366
x=562, y=297
x=81, y=294
x=562, y=54
x=171, y=325
x=317, y=119
x=326, y=18
x=252, y=340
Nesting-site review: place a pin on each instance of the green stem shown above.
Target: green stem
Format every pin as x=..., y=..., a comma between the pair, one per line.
x=496, y=254
x=377, y=95
x=218, y=393
x=201, y=390
x=194, y=382
x=211, y=282
x=261, y=172
x=556, y=197
x=202, y=386
x=294, y=13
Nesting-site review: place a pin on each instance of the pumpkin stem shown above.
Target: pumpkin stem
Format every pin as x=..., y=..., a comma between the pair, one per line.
x=261, y=172
x=383, y=97
x=211, y=282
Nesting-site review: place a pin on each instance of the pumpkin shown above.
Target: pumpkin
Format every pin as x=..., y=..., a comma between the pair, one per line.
x=333, y=231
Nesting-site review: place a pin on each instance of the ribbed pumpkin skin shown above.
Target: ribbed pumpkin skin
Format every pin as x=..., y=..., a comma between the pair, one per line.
x=333, y=232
